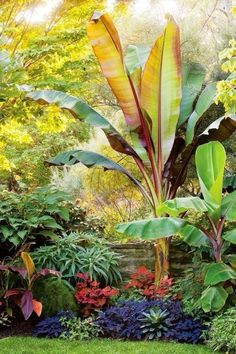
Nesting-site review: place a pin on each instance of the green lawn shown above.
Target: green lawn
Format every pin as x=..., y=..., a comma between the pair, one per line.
x=27, y=345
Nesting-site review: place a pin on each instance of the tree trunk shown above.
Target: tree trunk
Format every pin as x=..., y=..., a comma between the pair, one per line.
x=161, y=259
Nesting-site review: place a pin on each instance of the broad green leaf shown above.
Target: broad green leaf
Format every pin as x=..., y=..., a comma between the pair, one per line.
x=93, y=159
x=217, y=273
x=192, y=79
x=229, y=206
x=213, y=298
x=152, y=229
x=85, y=113
x=206, y=99
x=230, y=236
x=179, y=205
x=193, y=236
x=136, y=57
x=106, y=44
x=210, y=163
x=231, y=259
x=64, y=214
x=161, y=90
x=230, y=182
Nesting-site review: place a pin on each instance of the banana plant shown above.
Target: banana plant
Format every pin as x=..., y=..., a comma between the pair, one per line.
x=210, y=163
x=162, y=107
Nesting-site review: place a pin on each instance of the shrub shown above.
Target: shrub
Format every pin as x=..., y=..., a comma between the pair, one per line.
x=67, y=256
x=91, y=296
x=143, y=281
x=55, y=294
x=52, y=327
x=78, y=329
x=38, y=216
x=125, y=321
x=222, y=333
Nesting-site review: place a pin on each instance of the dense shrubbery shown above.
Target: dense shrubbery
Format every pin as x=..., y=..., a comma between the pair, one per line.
x=55, y=294
x=222, y=334
x=126, y=321
x=39, y=216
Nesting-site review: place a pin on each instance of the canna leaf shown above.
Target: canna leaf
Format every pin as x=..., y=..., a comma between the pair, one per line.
x=28, y=262
x=26, y=304
x=37, y=307
x=161, y=90
x=210, y=163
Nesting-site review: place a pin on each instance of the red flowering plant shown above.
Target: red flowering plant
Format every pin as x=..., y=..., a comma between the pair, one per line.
x=143, y=281
x=91, y=295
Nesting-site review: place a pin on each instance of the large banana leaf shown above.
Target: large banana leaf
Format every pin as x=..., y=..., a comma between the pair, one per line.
x=161, y=90
x=93, y=159
x=106, y=44
x=230, y=182
x=136, y=57
x=179, y=205
x=210, y=164
x=192, y=79
x=213, y=298
x=205, y=100
x=230, y=235
x=221, y=129
x=229, y=206
x=218, y=273
x=164, y=227
x=80, y=110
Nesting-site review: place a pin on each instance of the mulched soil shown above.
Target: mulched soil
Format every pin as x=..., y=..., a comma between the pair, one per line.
x=19, y=328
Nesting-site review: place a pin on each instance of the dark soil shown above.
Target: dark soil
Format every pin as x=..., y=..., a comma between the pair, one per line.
x=18, y=328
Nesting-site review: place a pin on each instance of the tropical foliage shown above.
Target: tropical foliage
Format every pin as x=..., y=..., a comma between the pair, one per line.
x=23, y=296
x=158, y=113
x=210, y=164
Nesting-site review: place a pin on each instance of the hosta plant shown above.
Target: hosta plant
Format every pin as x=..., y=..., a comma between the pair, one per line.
x=218, y=209
x=160, y=100
x=23, y=296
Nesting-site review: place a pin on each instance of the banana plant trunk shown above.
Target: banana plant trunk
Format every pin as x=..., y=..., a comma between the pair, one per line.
x=161, y=259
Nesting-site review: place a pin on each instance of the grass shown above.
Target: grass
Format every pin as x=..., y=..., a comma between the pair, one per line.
x=28, y=345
